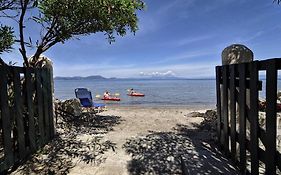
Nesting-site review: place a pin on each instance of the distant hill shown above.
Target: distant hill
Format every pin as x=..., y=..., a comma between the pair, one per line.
x=99, y=77
x=92, y=77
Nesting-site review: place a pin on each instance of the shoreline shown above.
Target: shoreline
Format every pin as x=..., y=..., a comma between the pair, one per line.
x=141, y=106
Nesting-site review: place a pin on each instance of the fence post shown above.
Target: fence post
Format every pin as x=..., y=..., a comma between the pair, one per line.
x=218, y=84
x=30, y=108
x=271, y=97
x=39, y=96
x=242, y=116
x=254, y=115
x=232, y=108
x=6, y=123
x=225, y=87
x=19, y=113
x=50, y=88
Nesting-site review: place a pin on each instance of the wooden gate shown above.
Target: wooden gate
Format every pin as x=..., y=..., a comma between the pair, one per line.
x=26, y=112
x=240, y=132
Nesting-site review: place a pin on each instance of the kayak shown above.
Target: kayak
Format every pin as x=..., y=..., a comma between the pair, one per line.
x=136, y=94
x=112, y=99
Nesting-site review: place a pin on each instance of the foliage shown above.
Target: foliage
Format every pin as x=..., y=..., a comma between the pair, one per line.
x=6, y=32
x=6, y=4
x=6, y=38
x=63, y=20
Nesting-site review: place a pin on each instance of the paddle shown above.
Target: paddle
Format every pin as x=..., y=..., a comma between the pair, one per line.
x=99, y=96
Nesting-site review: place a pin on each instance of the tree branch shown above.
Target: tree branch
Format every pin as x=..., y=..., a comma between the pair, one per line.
x=45, y=40
x=2, y=63
x=24, y=4
x=48, y=46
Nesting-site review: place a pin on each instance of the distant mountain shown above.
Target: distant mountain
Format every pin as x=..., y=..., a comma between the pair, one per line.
x=99, y=77
x=92, y=77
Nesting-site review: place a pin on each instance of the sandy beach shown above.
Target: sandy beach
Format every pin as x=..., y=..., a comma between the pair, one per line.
x=131, y=140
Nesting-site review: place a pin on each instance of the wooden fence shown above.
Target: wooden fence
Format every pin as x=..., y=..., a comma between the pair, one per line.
x=26, y=113
x=249, y=143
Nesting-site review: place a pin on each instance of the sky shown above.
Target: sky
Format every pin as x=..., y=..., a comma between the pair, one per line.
x=182, y=38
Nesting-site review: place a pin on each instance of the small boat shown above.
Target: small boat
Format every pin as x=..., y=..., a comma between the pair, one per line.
x=135, y=94
x=111, y=98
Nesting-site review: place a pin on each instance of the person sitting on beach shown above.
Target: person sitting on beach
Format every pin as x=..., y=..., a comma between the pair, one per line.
x=106, y=94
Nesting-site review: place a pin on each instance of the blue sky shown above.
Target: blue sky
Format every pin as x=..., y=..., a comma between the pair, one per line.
x=175, y=37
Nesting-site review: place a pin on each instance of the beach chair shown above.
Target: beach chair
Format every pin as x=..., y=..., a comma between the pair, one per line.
x=86, y=100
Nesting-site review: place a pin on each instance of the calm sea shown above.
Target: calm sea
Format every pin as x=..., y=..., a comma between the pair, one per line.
x=192, y=93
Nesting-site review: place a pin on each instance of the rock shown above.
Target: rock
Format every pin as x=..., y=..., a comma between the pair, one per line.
x=236, y=53
x=194, y=114
x=170, y=159
x=210, y=115
x=42, y=62
x=71, y=106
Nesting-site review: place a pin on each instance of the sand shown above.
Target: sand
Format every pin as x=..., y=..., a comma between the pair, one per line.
x=131, y=140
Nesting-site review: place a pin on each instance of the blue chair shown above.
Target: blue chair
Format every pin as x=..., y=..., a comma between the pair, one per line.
x=86, y=100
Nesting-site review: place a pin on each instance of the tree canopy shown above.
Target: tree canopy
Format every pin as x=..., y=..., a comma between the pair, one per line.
x=6, y=32
x=62, y=20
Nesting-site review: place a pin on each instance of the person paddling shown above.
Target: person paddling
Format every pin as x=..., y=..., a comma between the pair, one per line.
x=106, y=94
x=132, y=91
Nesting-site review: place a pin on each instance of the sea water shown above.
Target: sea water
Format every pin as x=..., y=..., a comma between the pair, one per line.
x=176, y=92
x=157, y=92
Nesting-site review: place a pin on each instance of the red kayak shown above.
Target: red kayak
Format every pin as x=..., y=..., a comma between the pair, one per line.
x=136, y=94
x=111, y=98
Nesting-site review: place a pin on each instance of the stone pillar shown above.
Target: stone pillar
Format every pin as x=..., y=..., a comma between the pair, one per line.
x=235, y=54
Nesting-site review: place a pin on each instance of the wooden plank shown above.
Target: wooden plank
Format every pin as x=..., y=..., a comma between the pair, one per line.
x=31, y=124
x=242, y=116
x=278, y=62
x=225, y=82
x=248, y=84
x=5, y=116
x=218, y=86
x=19, y=114
x=271, y=96
x=232, y=111
x=40, y=107
x=278, y=157
x=254, y=125
x=45, y=105
x=50, y=102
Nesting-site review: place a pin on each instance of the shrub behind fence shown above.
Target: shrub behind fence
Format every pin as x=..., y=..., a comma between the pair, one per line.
x=26, y=112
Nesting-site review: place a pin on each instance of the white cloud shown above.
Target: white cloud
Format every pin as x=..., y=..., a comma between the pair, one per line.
x=191, y=40
x=169, y=73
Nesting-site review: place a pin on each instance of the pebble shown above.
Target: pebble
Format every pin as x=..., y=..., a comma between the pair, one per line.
x=170, y=158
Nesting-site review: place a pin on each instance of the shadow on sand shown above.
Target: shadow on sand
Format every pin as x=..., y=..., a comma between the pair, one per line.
x=78, y=139
x=182, y=151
